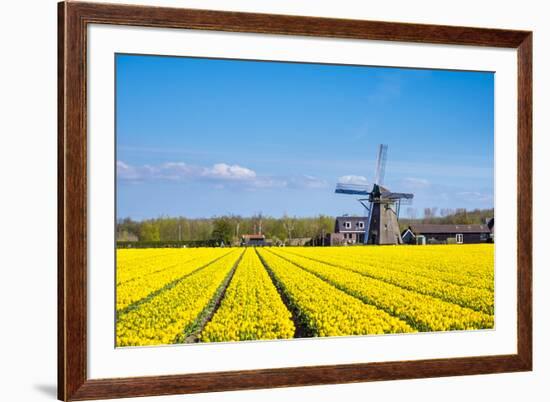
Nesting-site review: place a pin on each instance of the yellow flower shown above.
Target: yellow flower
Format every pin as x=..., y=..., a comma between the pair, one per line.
x=163, y=294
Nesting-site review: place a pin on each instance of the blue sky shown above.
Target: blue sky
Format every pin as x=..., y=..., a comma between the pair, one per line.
x=206, y=137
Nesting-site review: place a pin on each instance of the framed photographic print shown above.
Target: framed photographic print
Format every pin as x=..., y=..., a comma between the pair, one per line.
x=252, y=201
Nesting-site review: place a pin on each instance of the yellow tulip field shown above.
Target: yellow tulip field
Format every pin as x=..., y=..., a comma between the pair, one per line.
x=184, y=295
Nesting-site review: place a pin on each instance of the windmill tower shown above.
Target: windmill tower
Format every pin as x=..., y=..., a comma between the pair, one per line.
x=381, y=204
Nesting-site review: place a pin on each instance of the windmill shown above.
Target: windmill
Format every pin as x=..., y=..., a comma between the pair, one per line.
x=381, y=204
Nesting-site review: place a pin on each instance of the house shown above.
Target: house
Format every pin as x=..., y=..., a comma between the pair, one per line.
x=427, y=233
x=253, y=240
x=349, y=230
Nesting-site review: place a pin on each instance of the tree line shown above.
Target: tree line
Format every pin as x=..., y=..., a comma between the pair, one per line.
x=229, y=228
x=458, y=216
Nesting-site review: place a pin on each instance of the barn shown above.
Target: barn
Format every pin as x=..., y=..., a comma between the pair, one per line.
x=426, y=233
x=254, y=240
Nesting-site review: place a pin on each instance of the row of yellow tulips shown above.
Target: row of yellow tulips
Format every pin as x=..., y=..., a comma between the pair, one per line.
x=251, y=308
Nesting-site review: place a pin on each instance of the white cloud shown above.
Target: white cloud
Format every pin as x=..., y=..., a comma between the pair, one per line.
x=223, y=171
x=183, y=171
x=220, y=174
x=353, y=179
x=121, y=165
x=126, y=172
x=172, y=171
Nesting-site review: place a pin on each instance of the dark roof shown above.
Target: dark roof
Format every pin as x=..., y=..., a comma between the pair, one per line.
x=421, y=228
x=351, y=218
x=253, y=237
x=339, y=226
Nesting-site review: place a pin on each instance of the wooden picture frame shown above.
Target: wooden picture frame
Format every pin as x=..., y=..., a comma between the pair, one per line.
x=73, y=382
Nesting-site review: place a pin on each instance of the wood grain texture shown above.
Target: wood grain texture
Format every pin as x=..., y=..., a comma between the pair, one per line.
x=300, y=376
x=295, y=25
x=525, y=200
x=60, y=202
x=72, y=228
x=73, y=19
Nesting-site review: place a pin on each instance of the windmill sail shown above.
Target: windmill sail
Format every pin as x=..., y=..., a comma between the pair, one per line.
x=396, y=196
x=381, y=164
x=350, y=188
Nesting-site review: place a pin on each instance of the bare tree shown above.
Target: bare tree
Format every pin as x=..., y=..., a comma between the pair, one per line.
x=444, y=212
x=411, y=213
x=258, y=220
x=430, y=213
x=288, y=224
x=427, y=214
